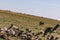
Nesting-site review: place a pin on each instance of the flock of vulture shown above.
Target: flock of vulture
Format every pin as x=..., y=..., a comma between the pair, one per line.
x=14, y=31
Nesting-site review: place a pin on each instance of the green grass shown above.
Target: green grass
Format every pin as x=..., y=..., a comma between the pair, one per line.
x=1, y=39
x=23, y=20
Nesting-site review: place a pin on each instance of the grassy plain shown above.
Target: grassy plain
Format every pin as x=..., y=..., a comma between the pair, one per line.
x=25, y=20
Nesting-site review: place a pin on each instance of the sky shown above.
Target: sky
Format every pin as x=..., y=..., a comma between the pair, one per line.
x=45, y=8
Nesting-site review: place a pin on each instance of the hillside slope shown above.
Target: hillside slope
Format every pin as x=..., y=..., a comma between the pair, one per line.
x=23, y=20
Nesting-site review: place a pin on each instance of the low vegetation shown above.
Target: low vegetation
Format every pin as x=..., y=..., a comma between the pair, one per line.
x=26, y=21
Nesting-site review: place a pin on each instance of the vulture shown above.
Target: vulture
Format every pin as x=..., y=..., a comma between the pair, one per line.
x=50, y=30
x=55, y=27
x=47, y=30
x=10, y=26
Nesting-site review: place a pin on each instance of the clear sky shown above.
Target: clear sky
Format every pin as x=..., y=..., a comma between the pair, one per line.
x=45, y=8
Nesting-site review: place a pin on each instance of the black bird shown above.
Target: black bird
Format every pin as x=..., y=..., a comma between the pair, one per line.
x=47, y=30
x=56, y=38
x=2, y=36
x=10, y=26
x=41, y=23
x=20, y=32
x=52, y=37
x=55, y=27
x=38, y=33
x=50, y=30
